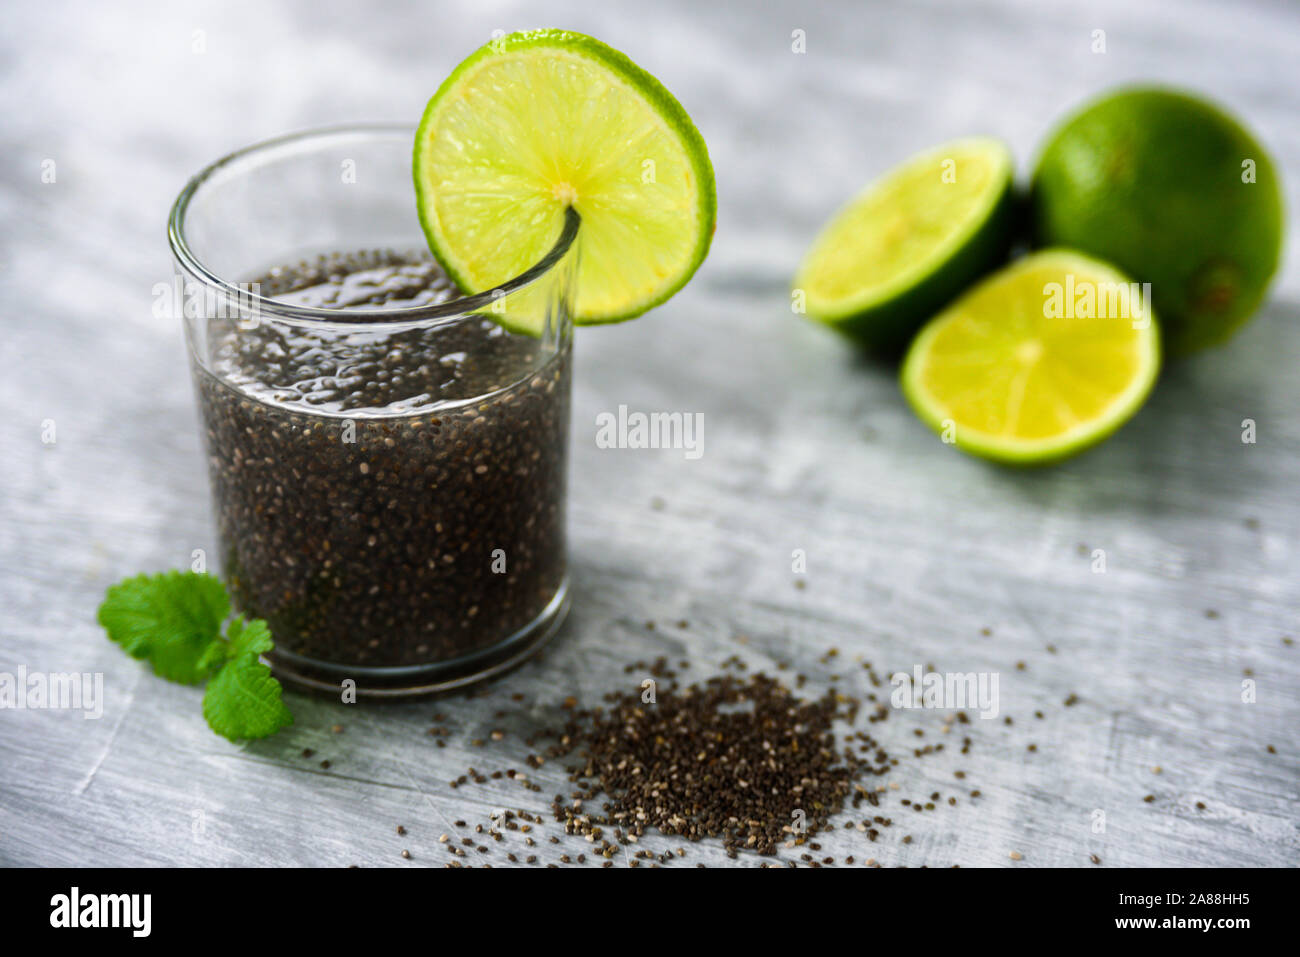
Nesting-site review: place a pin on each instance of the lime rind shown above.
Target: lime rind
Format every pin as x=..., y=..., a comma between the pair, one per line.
x=1013, y=450
x=885, y=314
x=604, y=241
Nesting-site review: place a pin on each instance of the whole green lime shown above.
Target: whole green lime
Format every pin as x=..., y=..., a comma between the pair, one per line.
x=1175, y=192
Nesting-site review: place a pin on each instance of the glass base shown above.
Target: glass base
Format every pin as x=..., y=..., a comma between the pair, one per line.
x=408, y=680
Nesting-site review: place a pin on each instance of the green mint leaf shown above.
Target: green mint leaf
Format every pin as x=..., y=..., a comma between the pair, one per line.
x=249, y=638
x=243, y=699
x=171, y=620
x=214, y=658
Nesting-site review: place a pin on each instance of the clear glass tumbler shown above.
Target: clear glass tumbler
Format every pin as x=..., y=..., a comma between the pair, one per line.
x=387, y=462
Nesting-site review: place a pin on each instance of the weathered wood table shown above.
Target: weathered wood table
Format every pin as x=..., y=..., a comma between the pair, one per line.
x=1182, y=741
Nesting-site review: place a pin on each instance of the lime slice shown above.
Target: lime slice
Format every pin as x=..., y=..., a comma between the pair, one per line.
x=1038, y=362
x=911, y=241
x=537, y=121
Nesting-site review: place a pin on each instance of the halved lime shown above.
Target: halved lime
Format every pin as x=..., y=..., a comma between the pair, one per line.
x=911, y=241
x=537, y=121
x=1038, y=362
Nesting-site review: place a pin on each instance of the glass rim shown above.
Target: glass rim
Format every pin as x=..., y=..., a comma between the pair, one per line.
x=309, y=315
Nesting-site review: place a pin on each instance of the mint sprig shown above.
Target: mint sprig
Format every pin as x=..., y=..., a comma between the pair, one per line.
x=173, y=621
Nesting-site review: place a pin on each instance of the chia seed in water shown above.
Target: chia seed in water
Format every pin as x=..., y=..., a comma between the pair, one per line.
x=385, y=499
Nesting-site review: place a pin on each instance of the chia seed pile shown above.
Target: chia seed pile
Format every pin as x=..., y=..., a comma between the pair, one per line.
x=741, y=758
x=385, y=498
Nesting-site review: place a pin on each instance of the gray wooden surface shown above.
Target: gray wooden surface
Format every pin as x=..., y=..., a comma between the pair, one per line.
x=912, y=549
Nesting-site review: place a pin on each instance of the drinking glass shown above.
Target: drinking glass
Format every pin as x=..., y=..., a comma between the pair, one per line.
x=388, y=477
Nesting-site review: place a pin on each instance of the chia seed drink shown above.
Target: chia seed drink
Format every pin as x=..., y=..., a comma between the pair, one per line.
x=385, y=500
x=387, y=460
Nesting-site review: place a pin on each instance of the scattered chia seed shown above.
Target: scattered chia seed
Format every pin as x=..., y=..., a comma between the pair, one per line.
x=731, y=758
